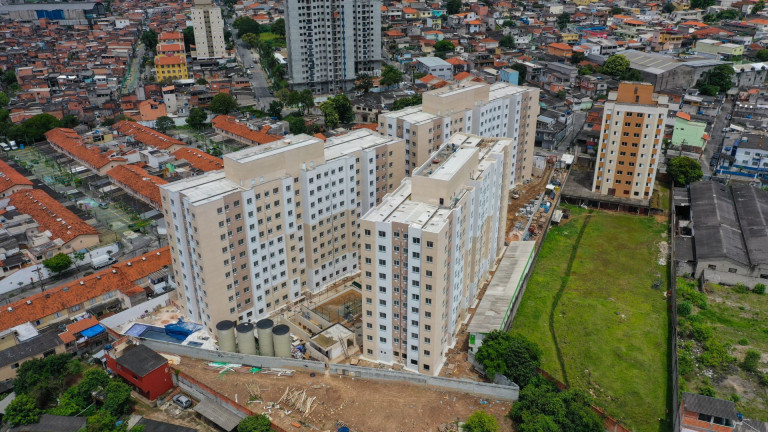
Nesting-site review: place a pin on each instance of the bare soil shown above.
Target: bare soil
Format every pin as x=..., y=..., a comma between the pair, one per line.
x=363, y=405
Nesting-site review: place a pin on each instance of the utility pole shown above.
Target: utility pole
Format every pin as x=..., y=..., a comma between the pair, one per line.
x=39, y=271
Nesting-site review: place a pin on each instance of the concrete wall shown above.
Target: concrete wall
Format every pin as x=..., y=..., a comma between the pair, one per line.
x=136, y=311
x=495, y=391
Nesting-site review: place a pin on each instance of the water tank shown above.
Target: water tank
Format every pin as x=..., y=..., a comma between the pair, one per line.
x=225, y=331
x=246, y=343
x=281, y=338
x=264, y=333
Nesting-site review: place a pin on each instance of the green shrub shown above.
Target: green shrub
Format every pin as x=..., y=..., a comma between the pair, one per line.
x=751, y=360
x=688, y=290
x=764, y=380
x=684, y=308
x=743, y=341
x=701, y=331
x=716, y=355
x=735, y=398
x=759, y=289
x=740, y=288
x=707, y=391
x=685, y=363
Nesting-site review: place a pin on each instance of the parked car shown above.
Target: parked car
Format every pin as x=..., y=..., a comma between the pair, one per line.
x=182, y=401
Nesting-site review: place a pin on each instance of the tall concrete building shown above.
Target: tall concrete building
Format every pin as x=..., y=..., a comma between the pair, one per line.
x=209, y=30
x=279, y=220
x=630, y=142
x=428, y=247
x=330, y=42
x=498, y=110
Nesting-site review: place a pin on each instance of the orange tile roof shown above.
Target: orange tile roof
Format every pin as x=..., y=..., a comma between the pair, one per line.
x=9, y=177
x=74, y=328
x=173, y=47
x=475, y=22
x=694, y=23
x=462, y=76
x=170, y=36
x=199, y=159
x=371, y=126
x=121, y=277
x=684, y=116
x=759, y=21
x=51, y=215
x=456, y=61
x=560, y=46
x=426, y=79
x=229, y=124
x=634, y=22
x=69, y=141
x=320, y=136
x=409, y=10
x=139, y=181
x=145, y=135
x=165, y=60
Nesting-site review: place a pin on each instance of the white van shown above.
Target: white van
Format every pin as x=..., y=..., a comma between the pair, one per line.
x=102, y=261
x=5, y=147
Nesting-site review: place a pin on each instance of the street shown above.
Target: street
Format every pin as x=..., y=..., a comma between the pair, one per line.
x=716, y=136
x=258, y=79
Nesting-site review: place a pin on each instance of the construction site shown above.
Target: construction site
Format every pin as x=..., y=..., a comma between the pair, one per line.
x=296, y=400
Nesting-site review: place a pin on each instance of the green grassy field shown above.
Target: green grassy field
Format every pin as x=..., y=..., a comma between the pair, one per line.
x=267, y=36
x=609, y=322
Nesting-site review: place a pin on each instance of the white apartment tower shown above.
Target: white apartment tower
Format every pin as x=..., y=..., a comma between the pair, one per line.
x=630, y=142
x=209, y=30
x=330, y=42
x=428, y=247
x=279, y=220
x=497, y=110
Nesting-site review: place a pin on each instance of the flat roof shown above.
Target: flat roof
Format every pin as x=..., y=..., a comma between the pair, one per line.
x=412, y=114
x=493, y=311
x=432, y=61
x=203, y=188
x=48, y=6
x=353, y=141
x=266, y=150
x=453, y=164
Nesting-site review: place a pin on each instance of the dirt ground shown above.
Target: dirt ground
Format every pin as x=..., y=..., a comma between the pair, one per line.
x=363, y=405
x=333, y=309
x=527, y=193
x=171, y=413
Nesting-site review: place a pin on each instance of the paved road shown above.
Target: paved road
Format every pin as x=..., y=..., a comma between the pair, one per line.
x=579, y=118
x=133, y=72
x=258, y=79
x=717, y=136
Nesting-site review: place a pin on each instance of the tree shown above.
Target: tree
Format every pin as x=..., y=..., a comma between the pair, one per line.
x=587, y=70
x=278, y=27
x=561, y=94
x=616, y=10
x=390, y=76
x=513, y=356
x=541, y=407
x=443, y=47
x=4, y=99
x=201, y=81
x=149, y=39
x=758, y=7
x=9, y=77
x=578, y=57
x=197, y=118
x=275, y=109
x=453, y=7
x=223, y=103
x=329, y=111
x=189, y=37
x=406, y=102
x=521, y=70
x=669, y=7
x=507, y=41
x=702, y=4
x=508, y=23
x=58, y=263
x=164, y=124
x=102, y=421
x=255, y=423
x=684, y=170
x=77, y=257
x=563, y=20
x=69, y=121
x=717, y=80
x=251, y=39
x=245, y=25
x=480, y=421
x=22, y=411
x=296, y=124
x=616, y=65
x=118, y=398
x=761, y=55
x=751, y=360
x=33, y=129
x=364, y=83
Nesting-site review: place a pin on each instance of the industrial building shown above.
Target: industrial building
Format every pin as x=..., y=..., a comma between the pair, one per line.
x=75, y=13
x=428, y=247
x=722, y=233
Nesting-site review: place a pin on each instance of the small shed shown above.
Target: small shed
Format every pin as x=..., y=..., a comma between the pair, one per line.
x=332, y=343
x=220, y=416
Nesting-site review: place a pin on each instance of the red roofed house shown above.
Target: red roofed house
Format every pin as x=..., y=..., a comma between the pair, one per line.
x=139, y=183
x=86, y=335
x=199, y=159
x=240, y=132
x=148, y=136
x=58, y=230
x=458, y=64
x=147, y=371
x=67, y=141
x=103, y=291
x=11, y=181
x=560, y=49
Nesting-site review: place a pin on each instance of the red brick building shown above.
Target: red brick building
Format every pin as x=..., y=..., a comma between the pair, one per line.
x=147, y=371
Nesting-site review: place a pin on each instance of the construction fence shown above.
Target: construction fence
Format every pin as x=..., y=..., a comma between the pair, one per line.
x=491, y=391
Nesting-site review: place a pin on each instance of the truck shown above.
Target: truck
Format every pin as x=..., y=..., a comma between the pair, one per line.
x=102, y=261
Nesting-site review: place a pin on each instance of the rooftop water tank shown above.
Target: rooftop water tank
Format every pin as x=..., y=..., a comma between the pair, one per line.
x=281, y=338
x=264, y=333
x=246, y=342
x=225, y=332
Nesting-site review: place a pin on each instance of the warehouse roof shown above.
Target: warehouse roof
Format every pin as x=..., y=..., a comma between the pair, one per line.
x=717, y=233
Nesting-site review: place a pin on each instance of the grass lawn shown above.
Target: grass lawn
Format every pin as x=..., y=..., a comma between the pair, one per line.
x=740, y=320
x=609, y=321
x=267, y=36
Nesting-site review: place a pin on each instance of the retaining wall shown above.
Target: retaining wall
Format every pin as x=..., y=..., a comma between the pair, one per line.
x=491, y=391
x=135, y=312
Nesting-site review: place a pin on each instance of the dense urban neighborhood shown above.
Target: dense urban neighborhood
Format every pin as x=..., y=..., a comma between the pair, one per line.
x=377, y=215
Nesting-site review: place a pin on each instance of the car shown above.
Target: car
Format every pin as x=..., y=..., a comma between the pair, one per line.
x=182, y=401
x=104, y=204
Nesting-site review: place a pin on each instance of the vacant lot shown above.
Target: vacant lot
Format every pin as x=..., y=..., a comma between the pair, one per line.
x=277, y=39
x=725, y=322
x=596, y=306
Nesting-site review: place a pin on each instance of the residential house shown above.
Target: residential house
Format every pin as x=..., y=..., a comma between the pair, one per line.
x=241, y=132
x=147, y=371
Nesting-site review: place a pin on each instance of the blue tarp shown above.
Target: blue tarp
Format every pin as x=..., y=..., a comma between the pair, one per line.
x=93, y=331
x=181, y=330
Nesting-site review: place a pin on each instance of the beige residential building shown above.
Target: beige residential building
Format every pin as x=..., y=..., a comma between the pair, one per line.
x=497, y=110
x=279, y=220
x=630, y=143
x=209, y=30
x=428, y=247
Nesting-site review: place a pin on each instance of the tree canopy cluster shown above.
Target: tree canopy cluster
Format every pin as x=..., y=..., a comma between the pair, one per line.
x=717, y=80
x=255, y=423
x=34, y=128
x=223, y=103
x=337, y=110
x=407, y=101
x=390, y=76
x=684, y=170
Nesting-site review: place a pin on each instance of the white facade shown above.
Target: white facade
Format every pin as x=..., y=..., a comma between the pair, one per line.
x=209, y=30
x=331, y=42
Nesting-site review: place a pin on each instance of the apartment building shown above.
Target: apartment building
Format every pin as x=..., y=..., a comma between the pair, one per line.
x=209, y=30
x=279, y=220
x=427, y=248
x=498, y=110
x=331, y=42
x=633, y=128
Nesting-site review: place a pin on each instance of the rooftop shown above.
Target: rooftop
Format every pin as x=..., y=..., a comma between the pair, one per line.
x=231, y=125
x=9, y=177
x=51, y=215
x=139, y=181
x=32, y=347
x=145, y=135
x=140, y=360
x=354, y=141
x=199, y=159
